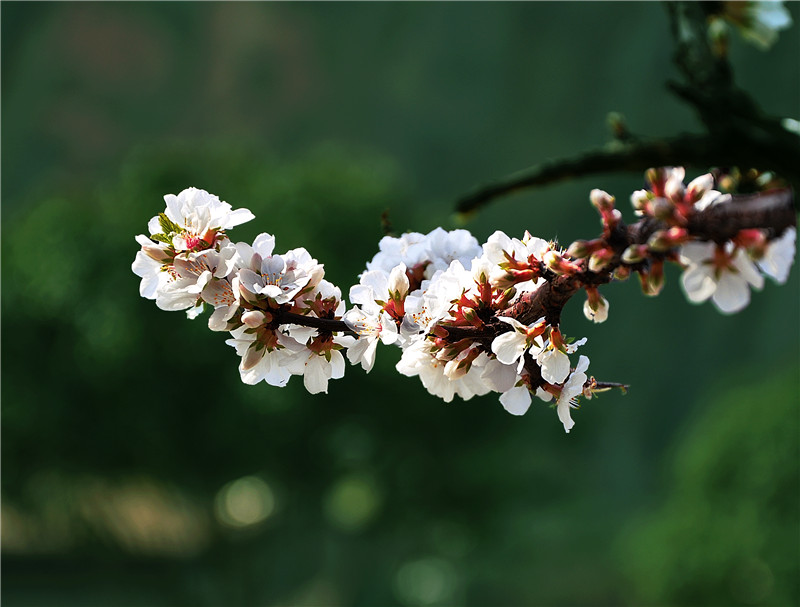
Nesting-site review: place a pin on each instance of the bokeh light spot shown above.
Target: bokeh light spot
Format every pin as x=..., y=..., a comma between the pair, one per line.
x=425, y=581
x=244, y=502
x=352, y=502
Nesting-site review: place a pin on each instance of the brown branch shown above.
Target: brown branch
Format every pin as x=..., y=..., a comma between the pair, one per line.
x=323, y=324
x=636, y=156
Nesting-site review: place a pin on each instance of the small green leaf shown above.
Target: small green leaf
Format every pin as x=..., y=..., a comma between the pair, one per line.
x=161, y=238
x=168, y=226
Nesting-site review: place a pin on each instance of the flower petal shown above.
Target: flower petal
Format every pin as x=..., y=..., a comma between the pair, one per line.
x=516, y=401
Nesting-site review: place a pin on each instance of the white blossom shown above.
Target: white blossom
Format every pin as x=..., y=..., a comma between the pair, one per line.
x=435, y=251
x=318, y=369
x=759, y=21
x=278, y=277
x=510, y=346
x=198, y=215
x=598, y=313
x=419, y=359
x=370, y=328
x=261, y=363
x=724, y=274
x=190, y=275
x=154, y=274
x=572, y=388
x=555, y=362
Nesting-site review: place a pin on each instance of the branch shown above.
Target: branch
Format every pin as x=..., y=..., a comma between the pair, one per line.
x=638, y=156
x=324, y=324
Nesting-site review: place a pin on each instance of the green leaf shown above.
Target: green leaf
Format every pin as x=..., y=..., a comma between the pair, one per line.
x=161, y=238
x=168, y=226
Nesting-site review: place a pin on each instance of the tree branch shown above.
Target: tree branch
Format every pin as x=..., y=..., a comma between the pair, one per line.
x=324, y=324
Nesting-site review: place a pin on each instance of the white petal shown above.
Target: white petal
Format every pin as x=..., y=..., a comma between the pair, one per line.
x=563, y=410
x=264, y=244
x=779, y=257
x=315, y=377
x=499, y=377
x=508, y=347
x=732, y=294
x=555, y=366
x=747, y=269
x=337, y=365
x=697, y=252
x=518, y=326
x=517, y=400
x=238, y=217
x=697, y=283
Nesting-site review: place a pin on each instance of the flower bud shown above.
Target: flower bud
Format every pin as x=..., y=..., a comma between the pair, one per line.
x=157, y=253
x=659, y=241
x=662, y=209
x=580, y=249
x=599, y=260
x=558, y=264
x=640, y=200
x=622, y=273
x=653, y=281
x=246, y=294
x=502, y=301
x=599, y=315
x=753, y=238
x=254, y=318
x=602, y=201
x=699, y=186
x=664, y=240
x=674, y=189
x=718, y=37
x=634, y=253
x=595, y=308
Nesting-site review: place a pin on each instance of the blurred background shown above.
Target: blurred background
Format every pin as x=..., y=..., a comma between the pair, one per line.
x=138, y=470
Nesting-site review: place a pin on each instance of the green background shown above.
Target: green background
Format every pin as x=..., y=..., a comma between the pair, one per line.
x=123, y=425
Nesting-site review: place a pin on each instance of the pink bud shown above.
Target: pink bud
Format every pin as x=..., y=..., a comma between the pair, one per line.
x=555, y=262
x=662, y=209
x=602, y=201
x=156, y=252
x=599, y=260
x=580, y=249
x=673, y=189
x=640, y=200
x=253, y=318
x=634, y=253
x=699, y=186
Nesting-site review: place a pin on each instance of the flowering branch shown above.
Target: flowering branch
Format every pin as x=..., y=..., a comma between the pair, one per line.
x=470, y=318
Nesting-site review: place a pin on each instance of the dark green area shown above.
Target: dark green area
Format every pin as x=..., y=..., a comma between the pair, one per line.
x=122, y=423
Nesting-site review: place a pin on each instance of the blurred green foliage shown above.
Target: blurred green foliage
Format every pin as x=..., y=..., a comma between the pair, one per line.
x=728, y=529
x=139, y=470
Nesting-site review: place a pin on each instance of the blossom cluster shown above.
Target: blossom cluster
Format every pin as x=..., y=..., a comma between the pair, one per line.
x=441, y=298
x=723, y=270
x=188, y=262
x=469, y=318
